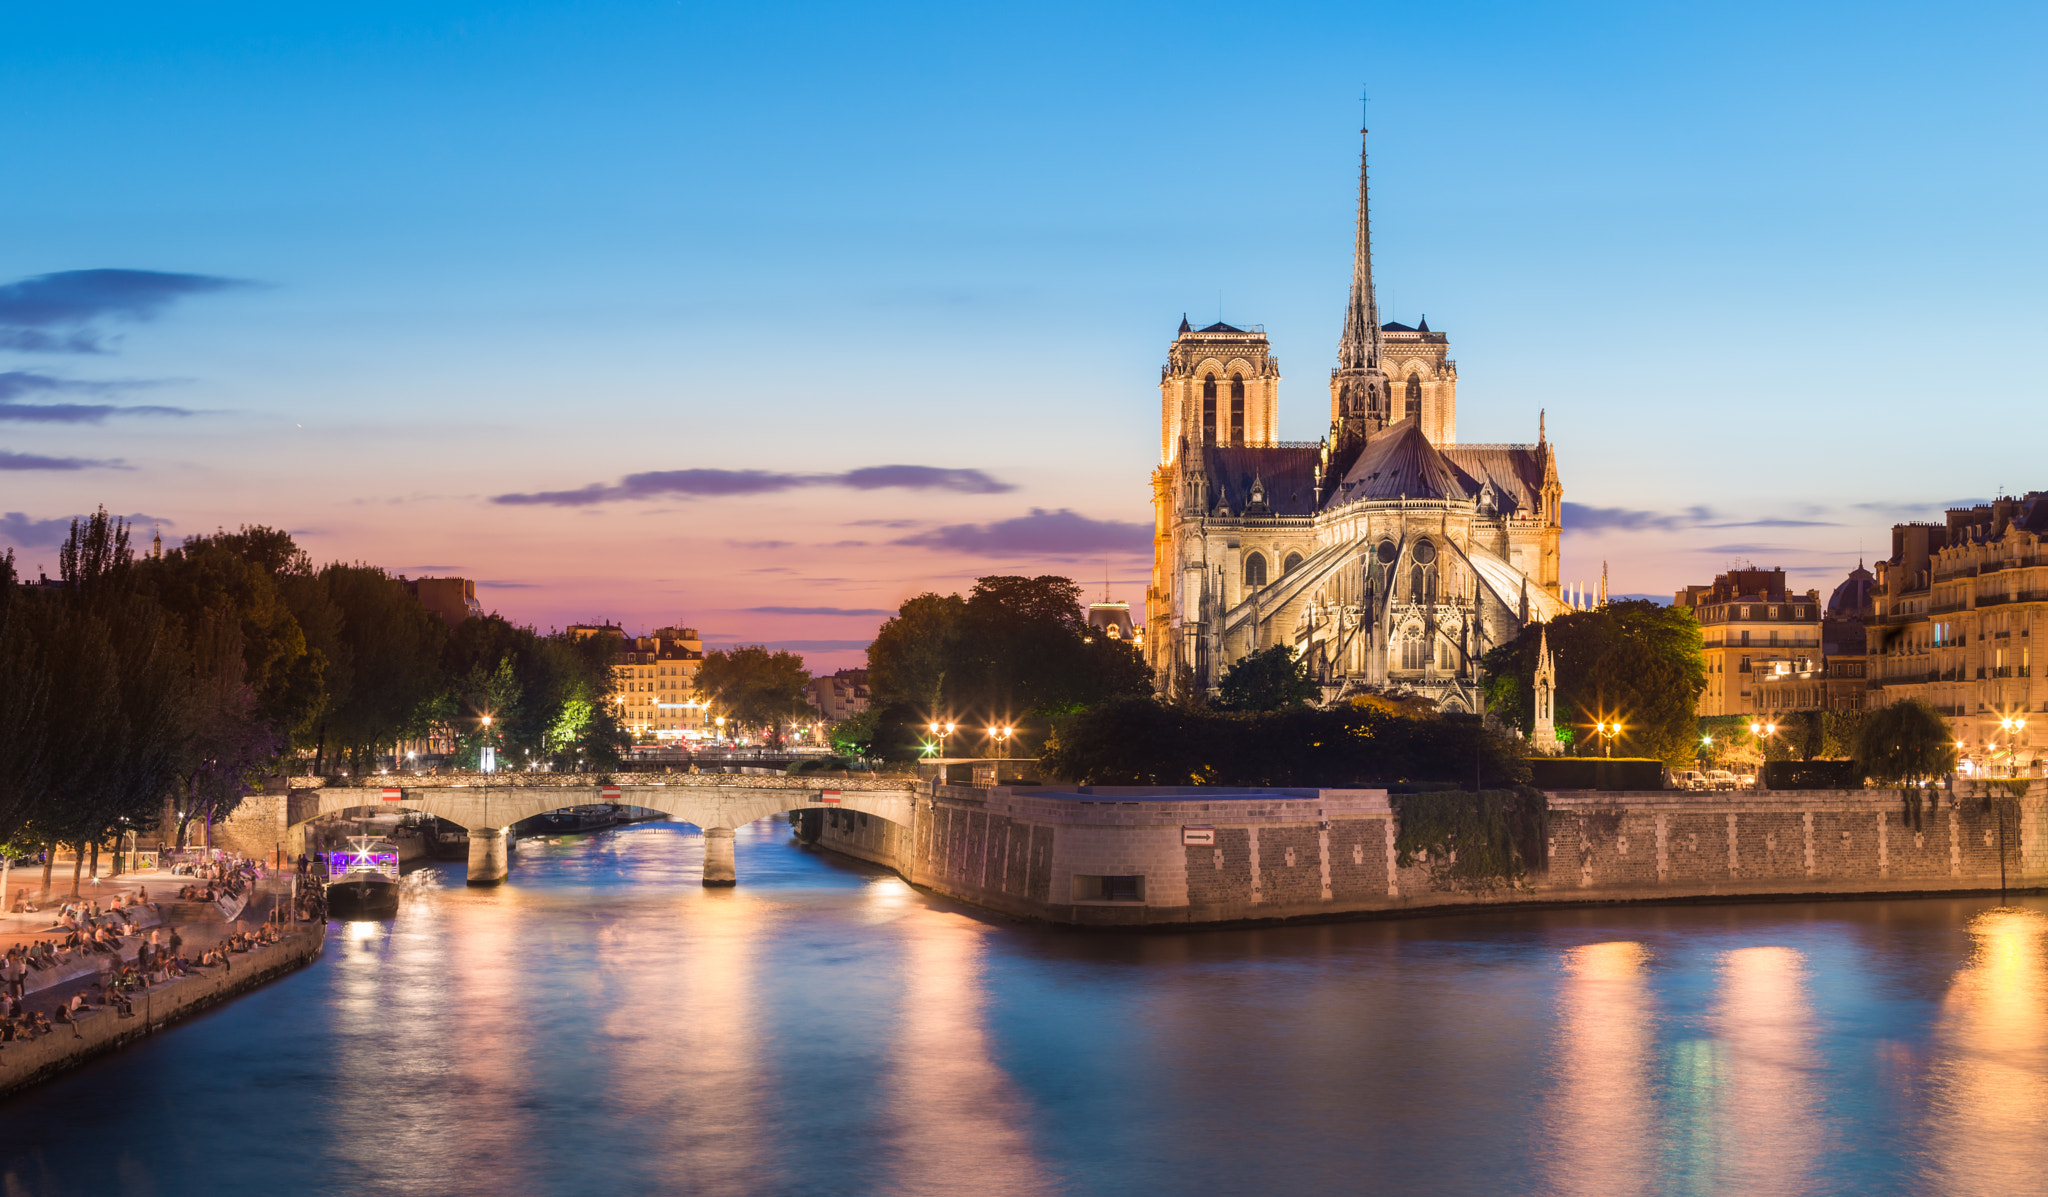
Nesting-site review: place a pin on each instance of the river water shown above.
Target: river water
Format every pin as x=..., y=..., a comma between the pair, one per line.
x=603, y=1024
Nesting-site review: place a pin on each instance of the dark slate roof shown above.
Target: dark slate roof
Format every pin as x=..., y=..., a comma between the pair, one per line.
x=1219, y=326
x=1516, y=472
x=1852, y=598
x=1395, y=326
x=1289, y=475
x=1399, y=461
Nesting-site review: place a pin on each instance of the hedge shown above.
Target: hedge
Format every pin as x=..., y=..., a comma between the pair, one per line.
x=1595, y=773
x=1811, y=775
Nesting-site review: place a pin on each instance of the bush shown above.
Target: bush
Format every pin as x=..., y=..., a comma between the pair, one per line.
x=1595, y=773
x=1811, y=775
x=1142, y=742
x=1497, y=835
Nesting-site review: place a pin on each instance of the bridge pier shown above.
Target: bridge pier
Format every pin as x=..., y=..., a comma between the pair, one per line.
x=718, y=859
x=489, y=863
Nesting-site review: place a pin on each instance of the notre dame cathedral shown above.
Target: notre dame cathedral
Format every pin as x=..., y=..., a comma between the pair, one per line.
x=1387, y=555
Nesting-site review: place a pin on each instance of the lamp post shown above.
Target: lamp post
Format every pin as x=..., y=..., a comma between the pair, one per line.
x=1001, y=737
x=488, y=759
x=1607, y=731
x=1764, y=732
x=942, y=731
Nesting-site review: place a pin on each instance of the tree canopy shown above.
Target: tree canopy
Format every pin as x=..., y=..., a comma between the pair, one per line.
x=1015, y=651
x=755, y=687
x=1268, y=680
x=1633, y=661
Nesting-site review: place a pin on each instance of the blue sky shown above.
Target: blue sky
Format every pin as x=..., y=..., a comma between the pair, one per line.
x=1772, y=271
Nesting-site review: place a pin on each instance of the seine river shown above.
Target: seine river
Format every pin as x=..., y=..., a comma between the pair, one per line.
x=605, y=1025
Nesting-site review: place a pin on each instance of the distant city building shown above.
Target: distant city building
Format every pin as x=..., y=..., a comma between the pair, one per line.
x=654, y=682
x=1752, y=626
x=842, y=695
x=1837, y=682
x=1387, y=555
x=453, y=599
x=1954, y=610
x=1113, y=620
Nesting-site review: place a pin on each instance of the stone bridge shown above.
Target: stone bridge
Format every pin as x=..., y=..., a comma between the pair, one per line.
x=488, y=807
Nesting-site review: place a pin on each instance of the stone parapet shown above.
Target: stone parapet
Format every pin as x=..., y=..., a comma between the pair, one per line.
x=1146, y=856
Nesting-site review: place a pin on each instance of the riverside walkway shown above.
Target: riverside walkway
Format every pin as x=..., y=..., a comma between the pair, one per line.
x=487, y=805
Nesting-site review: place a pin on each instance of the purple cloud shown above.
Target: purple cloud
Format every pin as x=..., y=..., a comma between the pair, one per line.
x=721, y=483
x=817, y=611
x=1043, y=533
x=36, y=461
x=33, y=533
x=17, y=383
x=1578, y=517
x=54, y=313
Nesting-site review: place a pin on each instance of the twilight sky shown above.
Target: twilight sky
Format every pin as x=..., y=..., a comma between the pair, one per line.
x=761, y=318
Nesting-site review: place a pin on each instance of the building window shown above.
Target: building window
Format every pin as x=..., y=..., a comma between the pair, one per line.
x=1744, y=666
x=1745, y=638
x=1412, y=646
x=1237, y=409
x=1254, y=570
x=1288, y=564
x=1209, y=409
x=1414, y=396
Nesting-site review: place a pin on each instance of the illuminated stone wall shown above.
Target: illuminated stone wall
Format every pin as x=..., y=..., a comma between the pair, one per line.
x=1276, y=854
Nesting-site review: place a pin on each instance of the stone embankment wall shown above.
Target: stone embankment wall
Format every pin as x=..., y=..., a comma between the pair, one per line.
x=1254, y=856
x=27, y=1062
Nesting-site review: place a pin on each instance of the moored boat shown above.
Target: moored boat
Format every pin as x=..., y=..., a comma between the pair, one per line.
x=363, y=882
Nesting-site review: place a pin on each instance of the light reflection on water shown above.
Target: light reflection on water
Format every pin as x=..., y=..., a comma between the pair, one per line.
x=603, y=1024
x=1990, y=1089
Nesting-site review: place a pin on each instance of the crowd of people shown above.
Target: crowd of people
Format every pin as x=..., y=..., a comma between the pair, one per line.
x=229, y=876
x=84, y=930
x=159, y=961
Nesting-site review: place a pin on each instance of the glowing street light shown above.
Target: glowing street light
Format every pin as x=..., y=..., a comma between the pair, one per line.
x=942, y=731
x=1001, y=735
x=1607, y=730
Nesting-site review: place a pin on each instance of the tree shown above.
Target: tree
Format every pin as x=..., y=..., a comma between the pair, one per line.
x=1631, y=660
x=914, y=650
x=1016, y=652
x=1267, y=680
x=1904, y=744
x=391, y=647
x=756, y=688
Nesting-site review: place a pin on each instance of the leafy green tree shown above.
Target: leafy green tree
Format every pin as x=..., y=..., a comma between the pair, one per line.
x=391, y=647
x=915, y=650
x=1634, y=661
x=1267, y=680
x=855, y=735
x=1904, y=744
x=1015, y=652
x=755, y=687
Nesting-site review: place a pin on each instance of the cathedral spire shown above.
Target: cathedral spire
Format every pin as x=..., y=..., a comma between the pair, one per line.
x=1360, y=347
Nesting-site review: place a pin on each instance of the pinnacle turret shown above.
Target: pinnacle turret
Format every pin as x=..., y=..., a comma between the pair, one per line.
x=1359, y=348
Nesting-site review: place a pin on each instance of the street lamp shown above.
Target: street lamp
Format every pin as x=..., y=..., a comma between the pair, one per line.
x=942, y=730
x=1607, y=731
x=1001, y=736
x=2012, y=726
x=721, y=728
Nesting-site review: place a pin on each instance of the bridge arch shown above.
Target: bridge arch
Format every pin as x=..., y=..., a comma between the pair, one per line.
x=709, y=801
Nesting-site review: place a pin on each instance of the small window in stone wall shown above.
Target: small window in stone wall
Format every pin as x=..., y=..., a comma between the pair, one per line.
x=1089, y=888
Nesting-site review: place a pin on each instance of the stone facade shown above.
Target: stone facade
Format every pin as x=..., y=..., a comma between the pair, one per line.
x=1386, y=554
x=1220, y=856
x=1753, y=628
x=1953, y=616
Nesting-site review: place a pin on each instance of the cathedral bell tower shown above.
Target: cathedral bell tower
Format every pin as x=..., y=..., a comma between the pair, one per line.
x=1361, y=399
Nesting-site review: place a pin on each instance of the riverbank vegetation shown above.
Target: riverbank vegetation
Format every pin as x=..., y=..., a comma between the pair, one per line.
x=131, y=681
x=1365, y=743
x=1636, y=662
x=1014, y=653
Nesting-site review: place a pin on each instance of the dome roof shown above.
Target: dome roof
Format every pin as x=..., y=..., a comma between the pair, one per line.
x=1852, y=598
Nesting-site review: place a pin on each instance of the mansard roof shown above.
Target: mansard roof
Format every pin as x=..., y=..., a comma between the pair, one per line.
x=1218, y=327
x=1396, y=326
x=1287, y=473
x=1399, y=462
